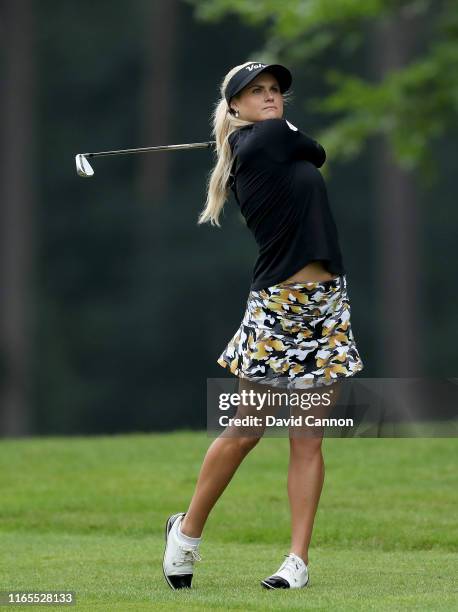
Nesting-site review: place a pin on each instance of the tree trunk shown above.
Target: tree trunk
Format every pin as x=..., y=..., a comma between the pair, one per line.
x=157, y=103
x=397, y=320
x=17, y=200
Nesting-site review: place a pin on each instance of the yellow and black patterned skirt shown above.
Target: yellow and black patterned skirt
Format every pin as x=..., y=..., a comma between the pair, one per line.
x=295, y=335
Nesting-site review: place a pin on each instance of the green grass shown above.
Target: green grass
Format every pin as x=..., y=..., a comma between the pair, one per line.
x=88, y=515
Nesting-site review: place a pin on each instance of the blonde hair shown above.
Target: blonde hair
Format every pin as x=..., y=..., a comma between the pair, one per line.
x=223, y=124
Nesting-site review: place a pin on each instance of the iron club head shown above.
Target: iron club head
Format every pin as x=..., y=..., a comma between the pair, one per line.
x=83, y=167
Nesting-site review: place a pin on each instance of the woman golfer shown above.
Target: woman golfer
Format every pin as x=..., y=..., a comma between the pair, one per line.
x=296, y=331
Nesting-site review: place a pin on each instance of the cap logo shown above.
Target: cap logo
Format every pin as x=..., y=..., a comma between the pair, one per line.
x=255, y=66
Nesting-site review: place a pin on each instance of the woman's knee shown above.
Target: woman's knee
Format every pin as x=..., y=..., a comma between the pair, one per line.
x=238, y=441
x=247, y=443
x=307, y=446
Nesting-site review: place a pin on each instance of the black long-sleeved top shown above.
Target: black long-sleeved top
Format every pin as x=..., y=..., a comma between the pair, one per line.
x=282, y=196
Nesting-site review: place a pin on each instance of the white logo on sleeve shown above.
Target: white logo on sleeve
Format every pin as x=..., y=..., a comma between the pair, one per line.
x=291, y=126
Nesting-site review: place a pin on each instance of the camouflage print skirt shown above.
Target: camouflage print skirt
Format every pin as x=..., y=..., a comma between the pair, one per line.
x=295, y=335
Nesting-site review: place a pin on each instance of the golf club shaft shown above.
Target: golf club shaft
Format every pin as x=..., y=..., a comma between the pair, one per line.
x=194, y=145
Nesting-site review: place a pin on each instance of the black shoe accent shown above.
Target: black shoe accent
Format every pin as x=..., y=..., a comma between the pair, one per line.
x=172, y=518
x=180, y=582
x=275, y=582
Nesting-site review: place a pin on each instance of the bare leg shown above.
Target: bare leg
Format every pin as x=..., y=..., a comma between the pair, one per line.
x=305, y=482
x=305, y=479
x=221, y=461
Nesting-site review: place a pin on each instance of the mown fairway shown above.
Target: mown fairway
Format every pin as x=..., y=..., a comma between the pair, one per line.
x=88, y=515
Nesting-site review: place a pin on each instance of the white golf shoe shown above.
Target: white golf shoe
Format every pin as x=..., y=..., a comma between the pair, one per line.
x=179, y=558
x=292, y=574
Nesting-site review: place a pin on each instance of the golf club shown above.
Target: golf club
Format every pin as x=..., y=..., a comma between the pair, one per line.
x=83, y=167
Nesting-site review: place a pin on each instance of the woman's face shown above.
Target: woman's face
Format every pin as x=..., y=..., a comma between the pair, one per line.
x=260, y=99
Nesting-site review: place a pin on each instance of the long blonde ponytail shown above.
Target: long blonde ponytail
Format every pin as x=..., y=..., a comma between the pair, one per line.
x=223, y=124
